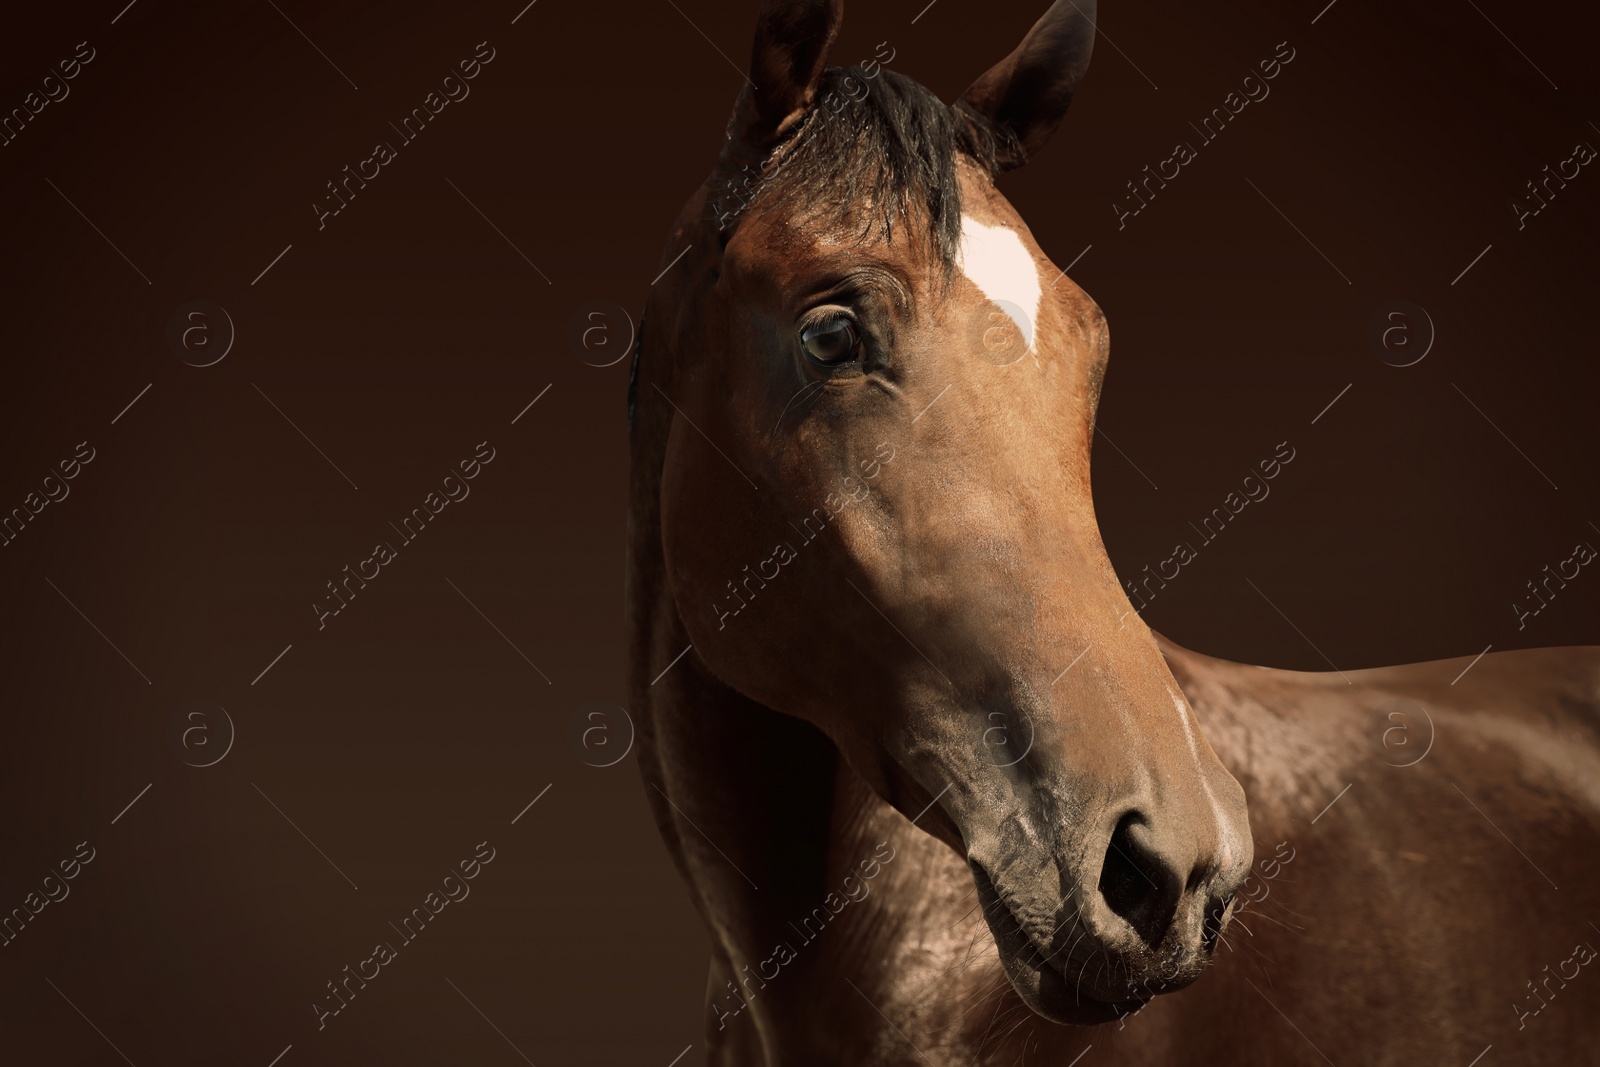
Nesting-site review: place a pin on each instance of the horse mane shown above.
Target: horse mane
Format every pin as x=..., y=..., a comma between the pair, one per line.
x=893, y=149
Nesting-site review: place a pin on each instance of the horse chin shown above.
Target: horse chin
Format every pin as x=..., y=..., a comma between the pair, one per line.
x=1050, y=995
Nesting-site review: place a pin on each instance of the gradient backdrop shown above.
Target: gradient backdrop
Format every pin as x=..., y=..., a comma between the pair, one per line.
x=175, y=574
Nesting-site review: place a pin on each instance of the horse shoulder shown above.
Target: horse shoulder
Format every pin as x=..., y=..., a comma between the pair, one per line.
x=1427, y=840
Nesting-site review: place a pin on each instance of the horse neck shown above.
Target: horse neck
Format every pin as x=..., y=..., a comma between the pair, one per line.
x=743, y=795
x=757, y=808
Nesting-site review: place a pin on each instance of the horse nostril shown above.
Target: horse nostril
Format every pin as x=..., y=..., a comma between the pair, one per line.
x=1136, y=883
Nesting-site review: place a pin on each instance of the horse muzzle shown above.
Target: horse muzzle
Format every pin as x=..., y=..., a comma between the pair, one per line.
x=1090, y=945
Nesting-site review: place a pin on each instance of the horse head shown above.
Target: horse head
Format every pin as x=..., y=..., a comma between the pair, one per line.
x=876, y=512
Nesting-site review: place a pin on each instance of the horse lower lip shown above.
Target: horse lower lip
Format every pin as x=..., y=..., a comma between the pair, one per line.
x=1009, y=927
x=1010, y=936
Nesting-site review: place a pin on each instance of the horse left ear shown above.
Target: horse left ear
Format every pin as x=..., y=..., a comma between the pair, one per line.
x=791, y=47
x=1029, y=91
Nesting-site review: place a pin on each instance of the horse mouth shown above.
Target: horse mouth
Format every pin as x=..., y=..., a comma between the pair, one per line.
x=1060, y=985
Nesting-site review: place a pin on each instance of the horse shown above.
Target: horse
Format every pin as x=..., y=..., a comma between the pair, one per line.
x=937, y=792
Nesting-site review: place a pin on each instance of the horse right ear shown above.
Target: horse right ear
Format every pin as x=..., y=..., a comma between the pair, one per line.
x=791, y=47
x=1028, y=92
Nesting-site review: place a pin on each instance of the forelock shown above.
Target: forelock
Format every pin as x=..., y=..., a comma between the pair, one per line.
x=880, y=152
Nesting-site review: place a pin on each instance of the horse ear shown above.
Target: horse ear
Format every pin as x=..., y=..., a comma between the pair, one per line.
x=1029, y=91
x=791, y=47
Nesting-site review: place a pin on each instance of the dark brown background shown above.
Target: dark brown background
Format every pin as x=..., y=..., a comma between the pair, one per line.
x=407, y=331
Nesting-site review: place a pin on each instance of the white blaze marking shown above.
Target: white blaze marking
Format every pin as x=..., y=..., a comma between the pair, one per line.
x=996, y=260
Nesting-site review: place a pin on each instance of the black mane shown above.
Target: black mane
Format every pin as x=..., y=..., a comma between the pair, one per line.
x=893, y=150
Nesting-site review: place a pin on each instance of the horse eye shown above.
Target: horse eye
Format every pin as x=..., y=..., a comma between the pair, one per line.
x=831, y=342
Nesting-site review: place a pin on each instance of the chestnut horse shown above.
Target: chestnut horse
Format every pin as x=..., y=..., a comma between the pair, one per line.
x=934, y=786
